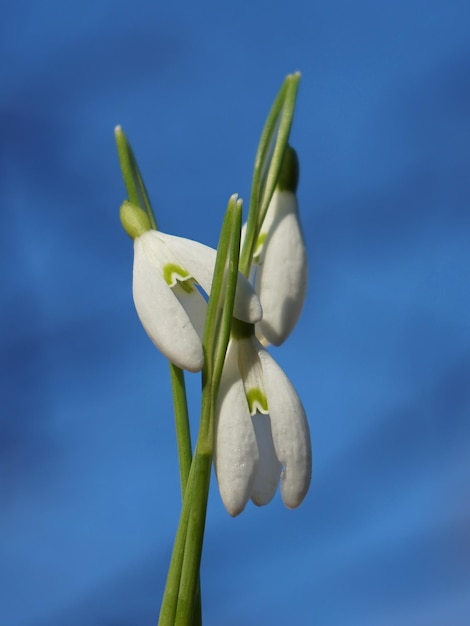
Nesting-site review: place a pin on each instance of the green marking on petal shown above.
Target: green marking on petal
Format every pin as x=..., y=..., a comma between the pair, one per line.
x=173, y=273
x=257, y=401
x=259, y=247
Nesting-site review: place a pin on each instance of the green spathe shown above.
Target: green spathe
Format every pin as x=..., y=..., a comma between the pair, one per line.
x=289, y=174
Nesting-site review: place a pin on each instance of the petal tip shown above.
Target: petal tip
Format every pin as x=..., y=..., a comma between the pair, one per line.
x=295, y=486
x=234, y=510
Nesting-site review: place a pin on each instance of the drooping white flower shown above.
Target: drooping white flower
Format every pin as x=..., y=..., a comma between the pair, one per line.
x=262, y=434
x=169, y=304
x=279, y=268
x=167, y=273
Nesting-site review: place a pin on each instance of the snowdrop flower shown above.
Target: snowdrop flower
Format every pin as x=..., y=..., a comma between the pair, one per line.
x=262, y=435
x=167, y=270
x=280, y=260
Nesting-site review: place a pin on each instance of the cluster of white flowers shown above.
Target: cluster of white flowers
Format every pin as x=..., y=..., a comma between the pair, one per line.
x=262, y=436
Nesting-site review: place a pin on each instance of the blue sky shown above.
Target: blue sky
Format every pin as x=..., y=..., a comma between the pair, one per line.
x=381, y=356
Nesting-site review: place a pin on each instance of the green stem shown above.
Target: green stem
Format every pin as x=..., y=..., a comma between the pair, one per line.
x=183, y=434
x=185, y=609
x=183, y=439
x=172, y=587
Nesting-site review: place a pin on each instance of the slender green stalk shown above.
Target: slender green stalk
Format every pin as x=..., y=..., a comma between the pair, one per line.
x=186, y=605
x=170, y=595
x=183, y=434
x=183, y=439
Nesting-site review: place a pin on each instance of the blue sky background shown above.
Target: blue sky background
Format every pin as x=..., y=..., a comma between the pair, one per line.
x=89, y=494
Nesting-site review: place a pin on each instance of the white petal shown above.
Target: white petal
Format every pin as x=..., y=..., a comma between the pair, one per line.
x=290, y=431
x=195, y=306
x=199, y=260
x=247, y=305
x=162, y=315
x=268, y=470
x=281, y=278
x=251, y=373
x=236, y=450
